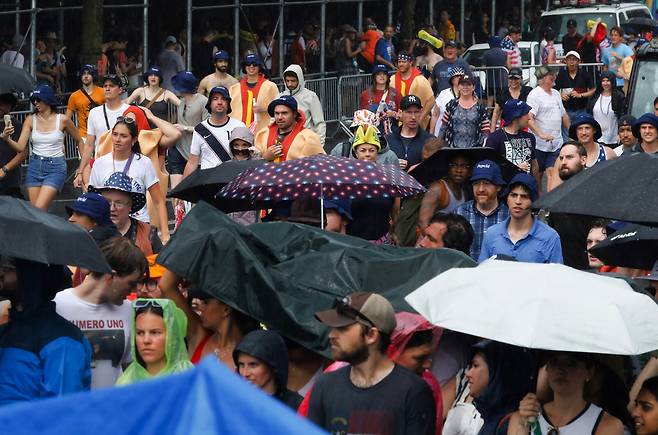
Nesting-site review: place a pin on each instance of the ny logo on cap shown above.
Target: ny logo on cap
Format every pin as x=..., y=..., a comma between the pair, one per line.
x=412, y=98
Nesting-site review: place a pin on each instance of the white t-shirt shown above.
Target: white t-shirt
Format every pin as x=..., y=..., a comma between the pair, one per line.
x=442, y=100
x=12, y=58
x=548, y=110
x=141, y=170
x=107, y=327
x=607, y=119
x=96, y=124
x=200, y=148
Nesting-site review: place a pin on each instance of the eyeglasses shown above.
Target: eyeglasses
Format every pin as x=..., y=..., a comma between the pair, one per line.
x=118, y=204
x=125, y=120
x=151, y=285
x=459, y=165
x=143, y=303
x=343, y=307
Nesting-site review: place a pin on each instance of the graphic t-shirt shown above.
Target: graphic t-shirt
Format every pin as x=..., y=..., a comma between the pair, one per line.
x=401, y=403
x=517, y=148
x=107, y=327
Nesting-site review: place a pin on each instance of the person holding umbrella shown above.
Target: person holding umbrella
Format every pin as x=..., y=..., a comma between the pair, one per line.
x=522, y=236
x=646, y=130
x=568, y=412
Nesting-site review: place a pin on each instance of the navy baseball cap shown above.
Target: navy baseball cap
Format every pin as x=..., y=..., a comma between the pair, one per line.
x=221, y=55
x=252, y=59
x=342, y=206
x=93, y=205
x=221, y=90
x=283, y=100
x=513, y=109
x=379, y=68
x=525, y=180
x=487, y=170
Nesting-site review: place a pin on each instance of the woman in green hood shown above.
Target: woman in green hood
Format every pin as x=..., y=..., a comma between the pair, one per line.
x=158, y=341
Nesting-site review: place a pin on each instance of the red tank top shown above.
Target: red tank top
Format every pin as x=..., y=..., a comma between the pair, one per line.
x=196, y=356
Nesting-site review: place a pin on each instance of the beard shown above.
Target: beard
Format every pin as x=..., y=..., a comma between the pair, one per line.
x=567, y=173
x=354, y=357
x=222, y=69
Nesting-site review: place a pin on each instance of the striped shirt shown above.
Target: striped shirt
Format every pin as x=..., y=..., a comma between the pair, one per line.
x=480, y=222
x=513, y=52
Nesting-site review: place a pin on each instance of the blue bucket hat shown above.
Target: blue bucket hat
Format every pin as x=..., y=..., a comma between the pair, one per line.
x=221, y=90
x=582, y=119
x=94, y=205
x=487, y=170
x=221, y=55
x=647, y=118
x=342, y=206
x=379, y=68
x=525, y=180
x=152, y=71
x=185, y=82
x=252, y=59
x=284, y=100
x=513, y=109
x=123, y=183
x=44, y=93
x=88, y=68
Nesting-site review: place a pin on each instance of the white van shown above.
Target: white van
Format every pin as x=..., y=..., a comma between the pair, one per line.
x=612, y=15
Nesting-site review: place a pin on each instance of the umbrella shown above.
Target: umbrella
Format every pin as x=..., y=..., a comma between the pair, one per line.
x=633, y=246
x=32, y=234
x=541, y=306
x=436, y=167
x=15, y=80
x=321, y=176
x=206, y=400
x=639, y=24
x=622, y=189
x=203, y=184
x=280, y=273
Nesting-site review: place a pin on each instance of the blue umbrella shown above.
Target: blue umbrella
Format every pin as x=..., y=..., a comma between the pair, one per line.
x=206, y=400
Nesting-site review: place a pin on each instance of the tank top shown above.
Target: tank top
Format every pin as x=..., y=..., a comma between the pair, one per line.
x=585, y=423
x=453, y=202
x=47, y=143
x=159, y=108
x=601, y=157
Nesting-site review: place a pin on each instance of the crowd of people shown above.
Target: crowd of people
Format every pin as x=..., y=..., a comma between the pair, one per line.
x=389, y=372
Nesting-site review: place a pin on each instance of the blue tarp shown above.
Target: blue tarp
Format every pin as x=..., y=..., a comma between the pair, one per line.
x=206, y=400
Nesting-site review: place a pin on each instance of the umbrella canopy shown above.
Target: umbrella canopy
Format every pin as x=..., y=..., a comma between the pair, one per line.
x=541, y=306
x=207, y=400
x=621, y=189
x=321, y=176
x=32, y=234
x=203, y=184
x=281, y=273
x=633, y=246
x=436, y=167
x=15, y=80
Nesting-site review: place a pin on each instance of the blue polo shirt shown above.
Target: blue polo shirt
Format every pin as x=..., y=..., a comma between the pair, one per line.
x=540, y=245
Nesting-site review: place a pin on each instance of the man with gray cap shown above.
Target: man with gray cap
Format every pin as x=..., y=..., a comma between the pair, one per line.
x=627, y=139
x=372, y=395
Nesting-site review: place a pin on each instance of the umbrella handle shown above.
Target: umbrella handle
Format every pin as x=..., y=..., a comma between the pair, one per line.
x=321, y=208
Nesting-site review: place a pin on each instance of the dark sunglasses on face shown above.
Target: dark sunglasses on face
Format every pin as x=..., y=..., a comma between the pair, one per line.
x=251, y=64
x=343, y=307
x=241, y=151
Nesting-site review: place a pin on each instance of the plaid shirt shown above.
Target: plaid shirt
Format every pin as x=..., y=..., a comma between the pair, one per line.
x=480, y=222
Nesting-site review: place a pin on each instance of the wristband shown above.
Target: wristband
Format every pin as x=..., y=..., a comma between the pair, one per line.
x=5, y=169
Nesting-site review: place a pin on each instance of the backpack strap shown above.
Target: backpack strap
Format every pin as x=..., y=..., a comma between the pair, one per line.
x=212, y=142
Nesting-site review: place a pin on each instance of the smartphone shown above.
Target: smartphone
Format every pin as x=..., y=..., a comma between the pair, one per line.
x=7, y=120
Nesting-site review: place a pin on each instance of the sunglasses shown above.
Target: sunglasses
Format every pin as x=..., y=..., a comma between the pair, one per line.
x=143, y=303
x=241, y=151
x=343, y=307
x=125, y=120
x=252, y=64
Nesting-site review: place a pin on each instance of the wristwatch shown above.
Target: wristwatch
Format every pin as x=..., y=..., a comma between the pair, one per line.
x=4, y=169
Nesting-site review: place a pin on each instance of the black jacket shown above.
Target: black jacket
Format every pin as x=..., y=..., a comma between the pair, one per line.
x=413, y=153
x=618, y=99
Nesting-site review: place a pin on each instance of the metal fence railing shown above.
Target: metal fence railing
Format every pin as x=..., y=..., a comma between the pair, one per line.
x=349, y=91
x=328, y=92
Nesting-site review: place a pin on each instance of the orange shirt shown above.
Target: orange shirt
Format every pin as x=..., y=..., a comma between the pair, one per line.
x=79, y=104
x=370, y=37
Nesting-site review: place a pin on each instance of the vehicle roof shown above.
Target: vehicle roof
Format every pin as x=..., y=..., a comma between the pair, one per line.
x=485, y=46
x=594, y=9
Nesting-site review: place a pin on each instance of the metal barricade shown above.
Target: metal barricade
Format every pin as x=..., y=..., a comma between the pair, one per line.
x=493, y=79
x=349, y=91
x=328, y=92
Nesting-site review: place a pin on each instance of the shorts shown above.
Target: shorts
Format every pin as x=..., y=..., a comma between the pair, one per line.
x=546, y=159
x=175, y=162
x=46, y=171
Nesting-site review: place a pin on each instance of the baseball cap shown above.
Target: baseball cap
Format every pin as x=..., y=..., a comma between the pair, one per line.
x=626, y=120
x=342, y=206
x=221, y=55
x=513, y=109
x=370, y=309
x=113, y=78
x=410, y=100
x=572, y=23
x=283, y=100
x=170, y=39
x=573, y=53
x=93, y=205
x=515, y=72
x=525, y=180
x=487, y=170
x=465, y=79
x=221, y=90
x=450, y=43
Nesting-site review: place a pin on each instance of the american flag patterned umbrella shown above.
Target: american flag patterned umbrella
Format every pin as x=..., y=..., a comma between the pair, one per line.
x=323, y=177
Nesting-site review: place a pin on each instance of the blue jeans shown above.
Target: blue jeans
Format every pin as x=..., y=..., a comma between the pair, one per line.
x=46, y=171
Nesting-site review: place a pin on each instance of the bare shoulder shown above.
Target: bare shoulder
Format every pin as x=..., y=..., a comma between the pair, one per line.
x=610, y=425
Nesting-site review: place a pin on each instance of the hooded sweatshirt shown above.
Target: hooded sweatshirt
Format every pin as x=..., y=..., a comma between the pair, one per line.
x=175, y=349
x=269, y=347
x=510, y=372
x=308, y=102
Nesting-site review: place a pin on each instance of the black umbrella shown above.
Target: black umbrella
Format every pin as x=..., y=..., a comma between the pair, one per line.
x=203, y=184
x=32, y=234
x=15, y=80
x=639, y=24
x=622, y=189
x=436, y=167
x=633, y=246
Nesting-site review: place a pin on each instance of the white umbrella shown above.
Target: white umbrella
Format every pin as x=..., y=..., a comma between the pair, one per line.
x=541, y=306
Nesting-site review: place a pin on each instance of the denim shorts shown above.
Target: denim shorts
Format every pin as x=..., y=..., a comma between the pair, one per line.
x=46, y=171
x=546, y=159
x=175, y=161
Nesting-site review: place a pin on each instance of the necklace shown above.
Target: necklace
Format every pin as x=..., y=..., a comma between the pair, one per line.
x=601, y=105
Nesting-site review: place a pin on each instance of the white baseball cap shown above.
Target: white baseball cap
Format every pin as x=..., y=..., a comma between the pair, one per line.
x=573, y=53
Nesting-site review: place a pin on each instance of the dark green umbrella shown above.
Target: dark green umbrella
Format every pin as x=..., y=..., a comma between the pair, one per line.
x=32, y=234
x=281, y=273
x=15, y=80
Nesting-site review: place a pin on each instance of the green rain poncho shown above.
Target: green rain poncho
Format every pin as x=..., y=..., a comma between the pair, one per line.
x=175, y=350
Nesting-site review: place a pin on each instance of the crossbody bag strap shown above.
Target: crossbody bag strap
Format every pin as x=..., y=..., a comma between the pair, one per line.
x=152, y=102
x=91, y=100
x=213, y=142
x=107, y=121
